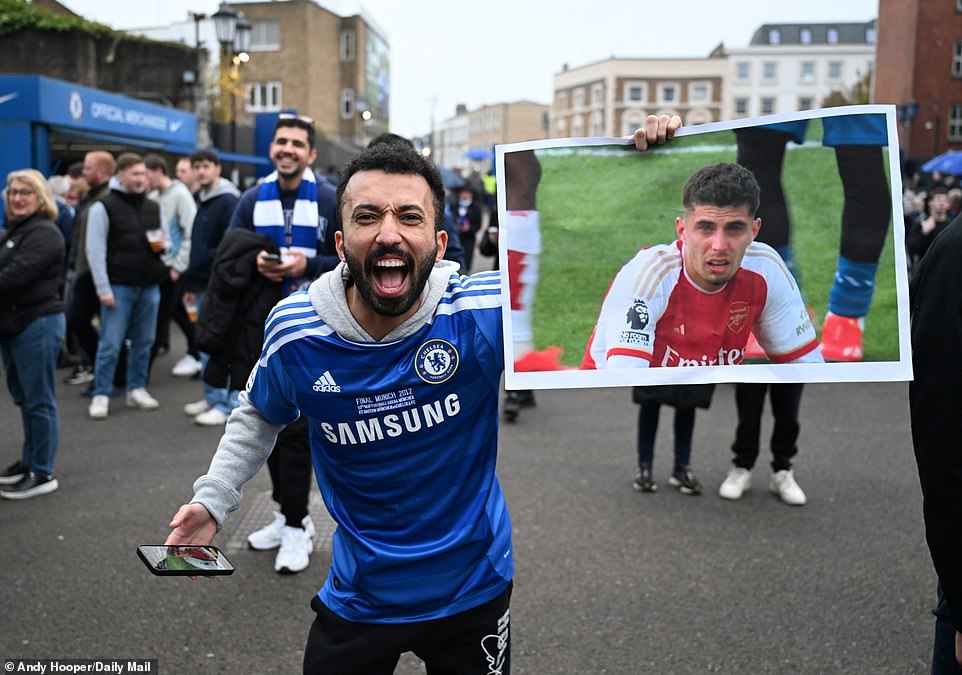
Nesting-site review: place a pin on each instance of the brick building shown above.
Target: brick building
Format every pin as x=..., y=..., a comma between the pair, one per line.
x=919, y=68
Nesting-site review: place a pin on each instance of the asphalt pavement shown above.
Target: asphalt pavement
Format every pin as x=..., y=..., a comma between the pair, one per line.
x=608, y=580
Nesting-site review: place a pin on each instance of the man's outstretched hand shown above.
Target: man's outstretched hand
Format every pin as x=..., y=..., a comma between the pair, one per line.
x=192, y=525
x=657, y=129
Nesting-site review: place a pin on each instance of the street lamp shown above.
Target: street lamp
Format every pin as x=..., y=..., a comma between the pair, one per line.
x=234, y=36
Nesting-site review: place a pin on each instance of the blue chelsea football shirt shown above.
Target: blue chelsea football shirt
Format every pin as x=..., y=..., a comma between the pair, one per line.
x=404, y=442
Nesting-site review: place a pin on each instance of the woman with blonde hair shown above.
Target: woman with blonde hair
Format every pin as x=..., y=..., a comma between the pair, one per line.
x=32, y=327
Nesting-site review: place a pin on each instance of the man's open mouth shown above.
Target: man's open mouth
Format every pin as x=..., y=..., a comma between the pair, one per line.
x=390, y=276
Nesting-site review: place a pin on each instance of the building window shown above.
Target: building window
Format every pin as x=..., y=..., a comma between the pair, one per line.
x=698, y=93
x=807, y=73
x=743, y=69
x=774, y=36
x=348, y=46
x=831, y=36
x=636, y=93
x=669, y=93
x=769, y=70
x=347, y=104
x=264, y=96
x=870, y=36
x=957, y=60
x=835, y=70
x=805, y=103
x=265, y=36
x=805, y=36
x=768, y=105
x=579, y=98
x=955, y=123
x=576, y=127
x=741, y=106
x=597, y=125
x=598, y=95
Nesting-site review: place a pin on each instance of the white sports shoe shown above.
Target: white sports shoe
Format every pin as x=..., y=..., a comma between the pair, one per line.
x=212, y=418
x=139, y=398
x=783, y=484
x=294, y=555
x=99, y=407
x=188, y=366
x=196, y=408
x=269, y=536
x=736, y=483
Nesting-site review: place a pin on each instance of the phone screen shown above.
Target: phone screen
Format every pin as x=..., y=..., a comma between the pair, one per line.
x=165, y=560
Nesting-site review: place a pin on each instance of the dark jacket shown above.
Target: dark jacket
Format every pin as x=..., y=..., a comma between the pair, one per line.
x=31, y=270
x=230, y=326
x=675, y=395
x=935, y=399
x=214, y=211
x=78, y=247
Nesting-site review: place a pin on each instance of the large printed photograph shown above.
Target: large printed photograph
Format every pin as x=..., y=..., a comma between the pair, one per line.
x=757, y=250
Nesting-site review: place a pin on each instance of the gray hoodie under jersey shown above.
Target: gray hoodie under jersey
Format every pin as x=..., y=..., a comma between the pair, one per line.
x=249, y=438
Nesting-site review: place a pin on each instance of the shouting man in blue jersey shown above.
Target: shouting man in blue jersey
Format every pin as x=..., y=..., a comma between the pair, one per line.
x=395, y=360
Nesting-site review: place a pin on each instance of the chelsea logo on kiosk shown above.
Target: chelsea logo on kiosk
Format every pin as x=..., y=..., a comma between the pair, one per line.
x=436, y=361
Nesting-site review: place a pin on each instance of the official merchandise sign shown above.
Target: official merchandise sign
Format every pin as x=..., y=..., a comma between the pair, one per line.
x=61, y=104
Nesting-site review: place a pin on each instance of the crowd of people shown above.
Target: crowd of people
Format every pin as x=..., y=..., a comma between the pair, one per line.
x=299, y=299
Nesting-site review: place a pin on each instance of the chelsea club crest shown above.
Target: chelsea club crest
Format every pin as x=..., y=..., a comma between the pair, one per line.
x=436, y=361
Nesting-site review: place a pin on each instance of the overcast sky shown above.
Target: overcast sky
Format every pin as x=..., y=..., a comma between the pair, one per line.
x=445, y=52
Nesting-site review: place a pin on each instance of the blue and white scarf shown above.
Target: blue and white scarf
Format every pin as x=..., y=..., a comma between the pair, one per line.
x=301, y=233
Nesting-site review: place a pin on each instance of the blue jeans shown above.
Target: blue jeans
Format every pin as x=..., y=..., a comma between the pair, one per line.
x=30, y=362
x=943, y=647
x=133, y=317
x=224, y=399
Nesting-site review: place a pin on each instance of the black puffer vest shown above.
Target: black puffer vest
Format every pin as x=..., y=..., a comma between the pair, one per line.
x=130, y=260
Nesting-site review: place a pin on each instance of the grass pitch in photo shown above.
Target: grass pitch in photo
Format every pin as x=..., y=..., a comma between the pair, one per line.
x=600, y=204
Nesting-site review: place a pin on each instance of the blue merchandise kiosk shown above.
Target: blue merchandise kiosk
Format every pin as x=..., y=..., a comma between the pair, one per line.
x=35, y=110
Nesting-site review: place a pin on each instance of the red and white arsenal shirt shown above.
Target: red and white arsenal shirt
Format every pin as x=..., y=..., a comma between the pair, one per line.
x=653, y=315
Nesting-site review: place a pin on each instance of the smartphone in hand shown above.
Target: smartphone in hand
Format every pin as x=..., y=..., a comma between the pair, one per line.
x=273, y=257
x=185, y=561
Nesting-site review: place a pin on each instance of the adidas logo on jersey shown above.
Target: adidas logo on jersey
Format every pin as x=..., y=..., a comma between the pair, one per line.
x=326, y=384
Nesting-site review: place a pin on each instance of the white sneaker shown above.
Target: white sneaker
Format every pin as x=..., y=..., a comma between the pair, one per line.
x=212, y=418
x=783, y=484
x=188, y=366
x=139, y=398
x=294, y=554
x=269, y=537
x=736, y=483
x=196, y=408
x=99, y=407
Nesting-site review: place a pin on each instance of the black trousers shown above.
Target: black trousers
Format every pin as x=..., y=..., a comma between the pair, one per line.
x=171, y=307
x=84, y=306
x=289, y=465
x=473, y=642
x=750, y=400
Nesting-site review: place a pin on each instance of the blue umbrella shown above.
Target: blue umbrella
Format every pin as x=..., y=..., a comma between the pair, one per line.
x=479, y=154
x=947, y=162
x=451, y=180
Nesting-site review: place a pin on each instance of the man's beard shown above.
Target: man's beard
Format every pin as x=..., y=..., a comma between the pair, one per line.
x=417, y=273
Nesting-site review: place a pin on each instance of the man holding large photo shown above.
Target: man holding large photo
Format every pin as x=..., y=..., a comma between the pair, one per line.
x=395, y=360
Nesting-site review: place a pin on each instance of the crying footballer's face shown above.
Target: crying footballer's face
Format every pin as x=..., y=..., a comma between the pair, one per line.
x=389, y=240
x=715, y=239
